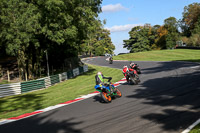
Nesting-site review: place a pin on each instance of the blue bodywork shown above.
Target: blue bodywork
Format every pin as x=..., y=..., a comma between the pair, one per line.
x=97, y=87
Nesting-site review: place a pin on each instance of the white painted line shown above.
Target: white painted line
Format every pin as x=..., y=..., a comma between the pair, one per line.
x=190, y=127
x=89, y=95
x=6, y=121
x=52, y=107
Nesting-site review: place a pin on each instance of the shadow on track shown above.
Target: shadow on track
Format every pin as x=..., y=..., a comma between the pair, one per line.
x=166, y=66
x=175, y=100
x=42, y=124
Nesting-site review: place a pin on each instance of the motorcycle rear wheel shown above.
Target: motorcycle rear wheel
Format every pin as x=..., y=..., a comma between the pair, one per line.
x=133, y=81
x=137, y=79
x=105, y=97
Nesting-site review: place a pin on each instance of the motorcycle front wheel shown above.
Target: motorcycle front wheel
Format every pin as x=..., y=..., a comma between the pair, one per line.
x=119, y=94
x=105, y=97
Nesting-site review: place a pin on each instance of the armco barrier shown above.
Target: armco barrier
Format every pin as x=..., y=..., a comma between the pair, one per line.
x=85, y=68
x=75, y=72
x=10, y=89
x=63, y=76
x=70, y=74
x=23, y=87
x=81, y=70
x=32, y=85
x=54, y=79
x=47, y=81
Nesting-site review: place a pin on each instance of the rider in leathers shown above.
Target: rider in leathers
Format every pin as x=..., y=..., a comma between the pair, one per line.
x=100, y=80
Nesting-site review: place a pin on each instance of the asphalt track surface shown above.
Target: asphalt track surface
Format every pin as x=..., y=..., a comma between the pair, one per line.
x=167, y=100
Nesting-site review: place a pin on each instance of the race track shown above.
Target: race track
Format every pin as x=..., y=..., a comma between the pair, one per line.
x=167, y=100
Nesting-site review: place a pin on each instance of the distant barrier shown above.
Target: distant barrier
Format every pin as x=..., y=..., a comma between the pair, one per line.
x=23, y=87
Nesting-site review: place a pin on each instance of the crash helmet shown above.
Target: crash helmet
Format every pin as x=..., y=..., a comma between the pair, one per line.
x=132, y=64
x=99, y=73
x=125, y=69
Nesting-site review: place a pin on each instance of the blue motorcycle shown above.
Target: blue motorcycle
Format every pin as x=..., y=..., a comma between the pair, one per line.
x=108, y=91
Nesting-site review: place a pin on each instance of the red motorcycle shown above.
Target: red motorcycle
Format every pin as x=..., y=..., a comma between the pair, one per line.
x=131, y=75
x=135, y=67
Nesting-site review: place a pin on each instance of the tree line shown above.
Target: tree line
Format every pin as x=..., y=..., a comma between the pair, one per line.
x=167, y=36
x=29, y=29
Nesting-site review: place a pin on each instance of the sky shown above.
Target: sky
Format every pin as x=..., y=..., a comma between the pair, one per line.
x=122, y=15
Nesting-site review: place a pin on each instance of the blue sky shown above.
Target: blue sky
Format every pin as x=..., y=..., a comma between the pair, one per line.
x=122, y=15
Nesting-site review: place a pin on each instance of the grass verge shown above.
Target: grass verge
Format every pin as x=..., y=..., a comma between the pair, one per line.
x=196, y=129
x=162, y=55
x=13, y=106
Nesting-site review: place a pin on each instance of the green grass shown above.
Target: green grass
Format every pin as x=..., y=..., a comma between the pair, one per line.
x=162, y=55
x=196, y=129
x=4, y=82
x=13, y=106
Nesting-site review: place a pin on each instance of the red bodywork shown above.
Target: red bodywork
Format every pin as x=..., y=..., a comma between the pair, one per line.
x=126, y=70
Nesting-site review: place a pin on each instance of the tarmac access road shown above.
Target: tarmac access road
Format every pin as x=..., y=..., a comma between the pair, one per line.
x=167, y=100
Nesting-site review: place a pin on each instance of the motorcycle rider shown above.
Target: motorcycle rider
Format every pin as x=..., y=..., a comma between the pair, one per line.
x=132, y=65
x=110, y=59
x=100, y=80
x=135, y=67
x=126, y=70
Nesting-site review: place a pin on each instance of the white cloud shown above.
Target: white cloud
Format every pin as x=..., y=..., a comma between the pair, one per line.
x=119, y=28
x=113, y=8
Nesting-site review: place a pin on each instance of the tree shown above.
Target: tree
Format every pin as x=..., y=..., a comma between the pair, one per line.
x=172, y=36
x=19, y=27
x=155, y=37
x=103, y=44
x=161, y=39
x=190, y=18
x=139, y=39
x=30, y=27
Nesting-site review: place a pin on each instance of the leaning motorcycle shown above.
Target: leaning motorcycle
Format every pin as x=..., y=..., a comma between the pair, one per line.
x=110, y=60
x=107, y=92
x=133, y=78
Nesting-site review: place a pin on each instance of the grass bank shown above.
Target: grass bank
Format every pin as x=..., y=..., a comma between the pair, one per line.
x=162, y=55
x=13, y=106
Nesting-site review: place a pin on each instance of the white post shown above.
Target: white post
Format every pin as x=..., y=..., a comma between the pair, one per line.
x=8, y=75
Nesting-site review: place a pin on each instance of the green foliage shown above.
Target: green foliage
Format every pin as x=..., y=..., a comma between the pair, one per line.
x=191, y=15
x=140, y=38
x=98, y=41
x=191, y=22
x=30, y=27
x=173, y=35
